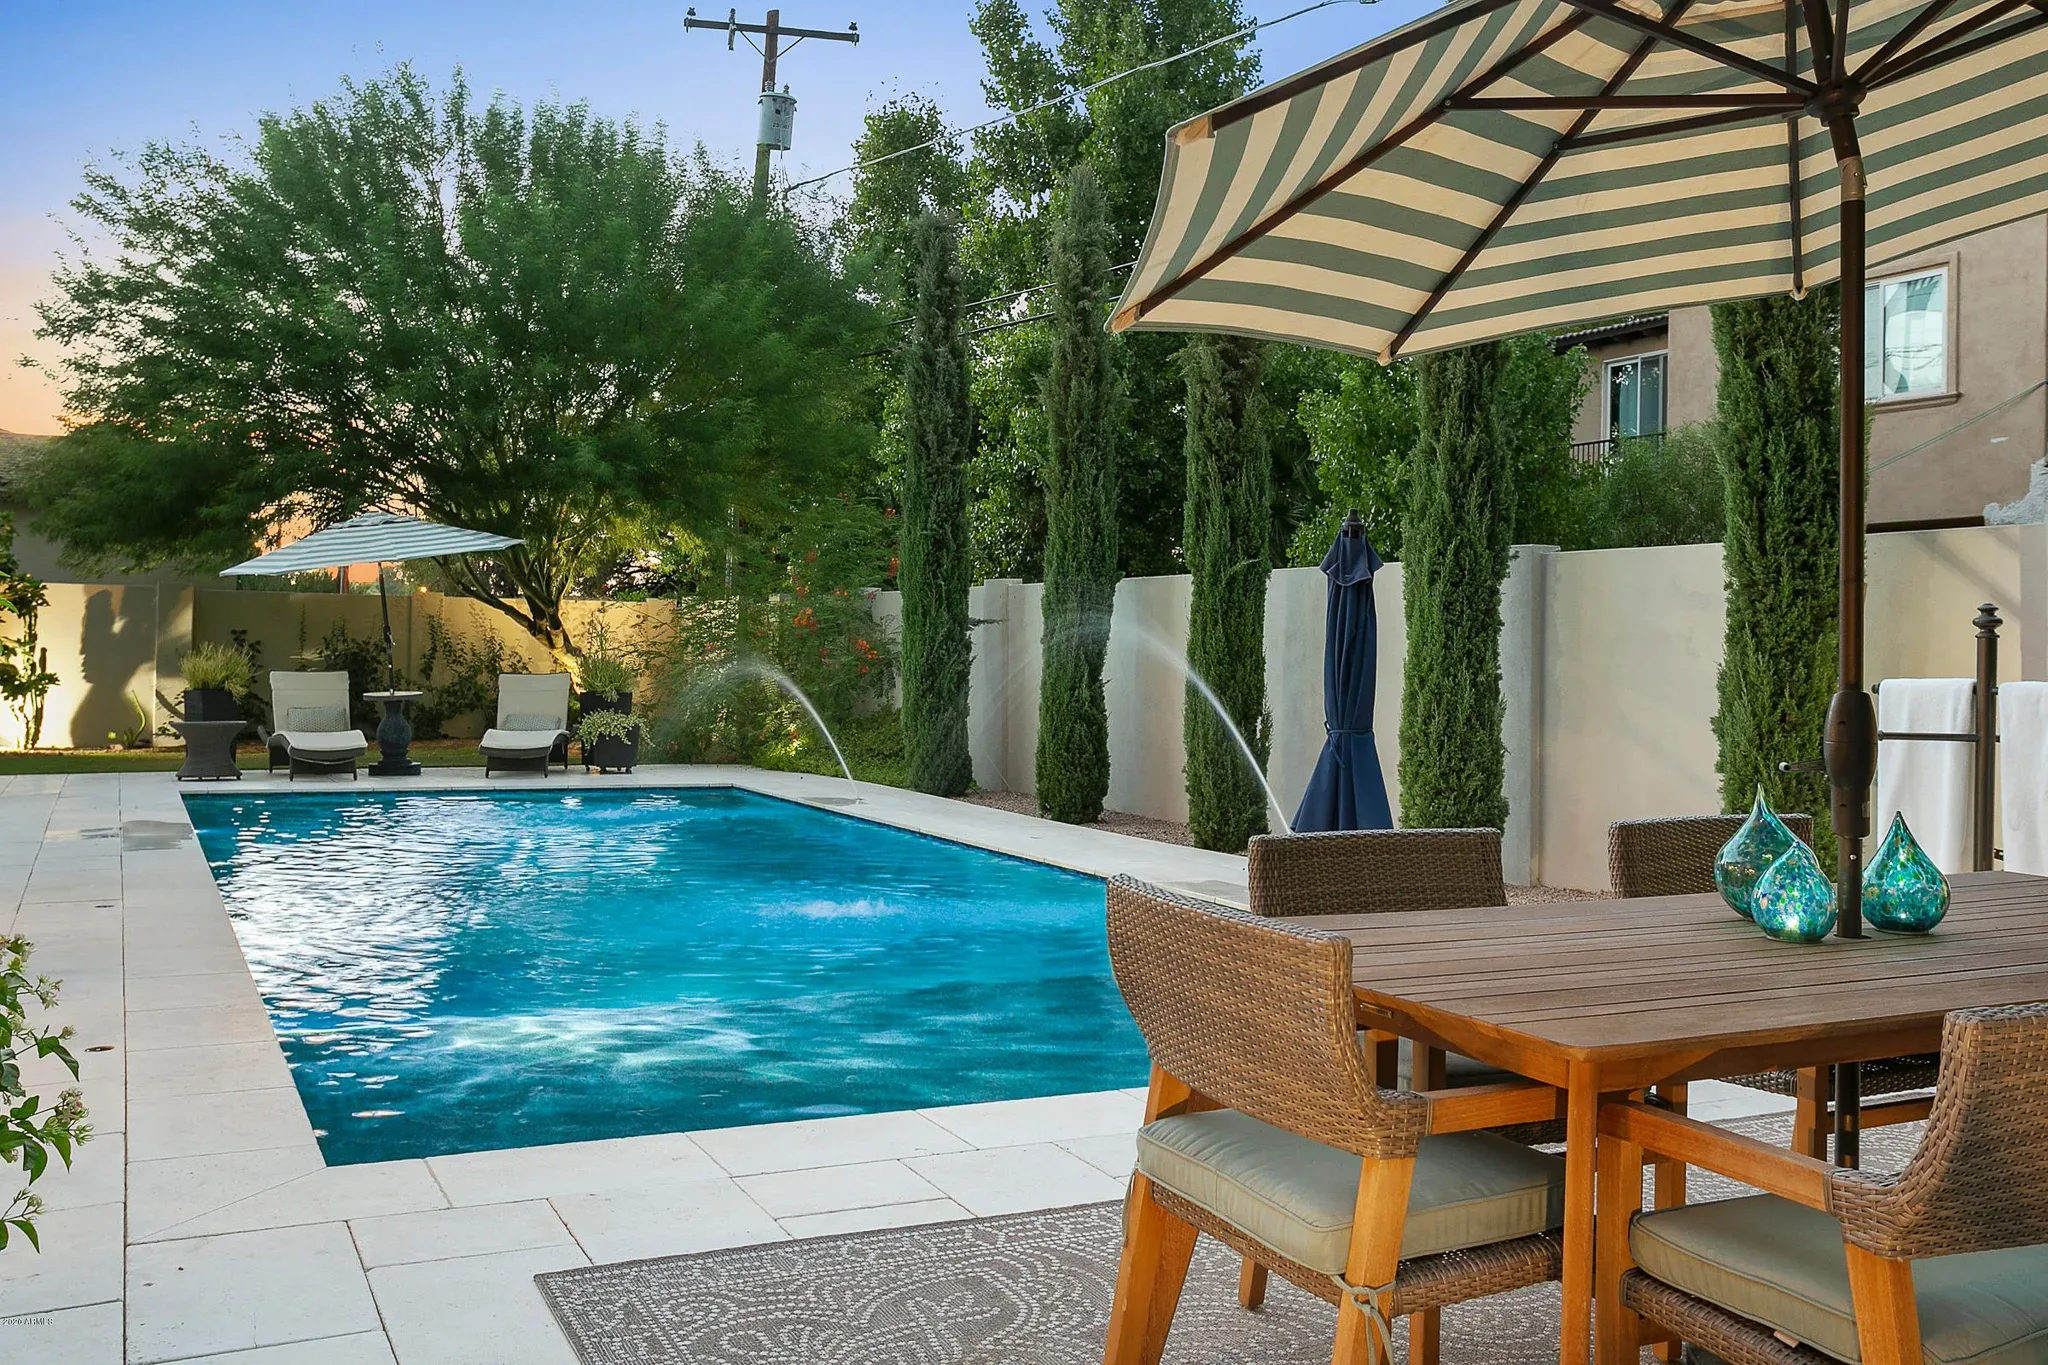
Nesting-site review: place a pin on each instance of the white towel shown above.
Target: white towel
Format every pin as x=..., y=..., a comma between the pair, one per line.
x=2023, y=775
x=1929, y=780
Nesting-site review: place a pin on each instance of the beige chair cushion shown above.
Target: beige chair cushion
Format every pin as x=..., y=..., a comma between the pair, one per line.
x=1782, y=1264
x=1297, y=1196
x=324, y=745
x=518, y=743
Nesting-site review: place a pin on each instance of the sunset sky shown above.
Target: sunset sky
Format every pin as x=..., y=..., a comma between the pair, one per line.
x=86, y=80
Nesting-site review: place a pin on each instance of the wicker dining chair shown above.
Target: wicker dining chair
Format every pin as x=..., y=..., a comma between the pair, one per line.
x=1675, y=857
x=1944, y=1261
x=1380, y=870
x=1268, y=1133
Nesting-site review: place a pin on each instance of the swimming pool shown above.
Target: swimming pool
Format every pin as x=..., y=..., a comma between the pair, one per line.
x=455, y=972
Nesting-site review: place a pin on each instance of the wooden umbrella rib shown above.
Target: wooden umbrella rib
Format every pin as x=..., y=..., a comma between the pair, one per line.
x=1528, y=186
x=1597, y=103
x=1794, y=209
x=1280, y=92
x=1820, y=35
x=1666, y=127
x=1904, y=71
x=1892, y=45
x=1361, y=161
x=1668, y=31
x=1889, y=69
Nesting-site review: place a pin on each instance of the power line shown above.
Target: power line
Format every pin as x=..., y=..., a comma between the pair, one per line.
x=1064, y=97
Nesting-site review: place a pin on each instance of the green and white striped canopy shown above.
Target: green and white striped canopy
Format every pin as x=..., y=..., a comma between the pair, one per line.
x=372, y=538
x=1415, y=193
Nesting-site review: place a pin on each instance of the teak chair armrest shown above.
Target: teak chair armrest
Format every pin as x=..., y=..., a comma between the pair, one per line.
x=1777, y=1170
x=1474, y=1107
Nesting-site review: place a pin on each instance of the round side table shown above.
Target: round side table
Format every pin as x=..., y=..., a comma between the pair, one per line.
x=209, y=749
x=394, y=736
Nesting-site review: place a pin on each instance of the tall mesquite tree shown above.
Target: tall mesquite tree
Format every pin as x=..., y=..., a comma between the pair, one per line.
x=1778, y=405
x=1082, y=398
x=936, y=555
x=1455, y=541
x=1226, y=538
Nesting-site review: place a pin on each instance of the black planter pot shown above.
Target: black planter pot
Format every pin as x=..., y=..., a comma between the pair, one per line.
x=597, y=701
x=612, y=755
x=211, y=703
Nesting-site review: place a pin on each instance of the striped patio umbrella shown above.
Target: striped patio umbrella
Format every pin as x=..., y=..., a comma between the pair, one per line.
x=373, y=538
x=1503, y=166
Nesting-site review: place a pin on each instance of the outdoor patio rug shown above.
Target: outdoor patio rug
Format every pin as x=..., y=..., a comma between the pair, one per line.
x=1026, y=1289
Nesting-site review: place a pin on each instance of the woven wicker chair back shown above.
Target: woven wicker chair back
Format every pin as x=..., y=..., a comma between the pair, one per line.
x=1979, y=1181
x=1255, y=1015
x=1675, y=856
x=1356, y=872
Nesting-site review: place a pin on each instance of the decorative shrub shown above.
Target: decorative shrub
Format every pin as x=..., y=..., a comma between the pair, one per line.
x=459, y=678
x=1456, y=537
x=1082, y=397
x=939, y=441
x=1778, y=410
x=1660, y=490
x=28, y=1131
x=1228, y=529
x=607, y=675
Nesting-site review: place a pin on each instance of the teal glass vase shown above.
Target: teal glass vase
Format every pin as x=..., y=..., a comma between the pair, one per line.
x=1793, y=901
x=1761, y=841
x=1903, y=891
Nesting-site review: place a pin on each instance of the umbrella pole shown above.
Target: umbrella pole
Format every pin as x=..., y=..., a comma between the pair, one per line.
x=390, y=652
x=1851, y=747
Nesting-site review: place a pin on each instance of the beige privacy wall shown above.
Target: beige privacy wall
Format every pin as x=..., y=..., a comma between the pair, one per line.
x=1608, y=662
x=115, y=647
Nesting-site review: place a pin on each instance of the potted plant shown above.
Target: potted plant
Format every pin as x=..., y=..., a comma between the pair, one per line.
x=610, y=740
x=217, y=677
x=605, y=682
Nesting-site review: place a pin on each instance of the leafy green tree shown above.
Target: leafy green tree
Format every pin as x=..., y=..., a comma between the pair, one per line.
x=1119, y=131
x=1362, y=433
x=895, y=187
x=1777, y=408
x=936, y=557
x=540, y=323
x=1455, y=541
x=1228, y=546
x=1660, y=490
x=1082, y=398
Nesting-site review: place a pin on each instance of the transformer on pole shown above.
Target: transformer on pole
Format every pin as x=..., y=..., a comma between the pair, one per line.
x=777, y=107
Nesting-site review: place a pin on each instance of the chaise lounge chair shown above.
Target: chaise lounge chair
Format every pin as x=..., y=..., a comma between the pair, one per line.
x=312, y=734
x=533, y=723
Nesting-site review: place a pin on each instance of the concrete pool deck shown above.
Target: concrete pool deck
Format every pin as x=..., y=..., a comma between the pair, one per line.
x=202, y=1224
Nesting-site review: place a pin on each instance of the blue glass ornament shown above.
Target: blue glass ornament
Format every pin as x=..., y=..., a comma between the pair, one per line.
x=1793, y=900
x=1903, y=891
x=1761, y=841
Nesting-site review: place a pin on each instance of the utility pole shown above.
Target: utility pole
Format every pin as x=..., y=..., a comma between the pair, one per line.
x=778, y=109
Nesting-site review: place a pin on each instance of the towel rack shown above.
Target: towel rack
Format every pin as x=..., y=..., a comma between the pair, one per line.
x=1984, y=736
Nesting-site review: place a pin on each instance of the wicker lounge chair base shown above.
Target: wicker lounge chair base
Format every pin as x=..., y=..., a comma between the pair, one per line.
x=1734, y=1339
x=512, y=751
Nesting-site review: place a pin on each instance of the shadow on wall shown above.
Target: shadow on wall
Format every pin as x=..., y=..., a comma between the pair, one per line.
x=117, y=641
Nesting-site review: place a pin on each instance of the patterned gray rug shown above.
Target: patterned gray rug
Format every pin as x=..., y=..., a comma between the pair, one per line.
x=1027, y=1289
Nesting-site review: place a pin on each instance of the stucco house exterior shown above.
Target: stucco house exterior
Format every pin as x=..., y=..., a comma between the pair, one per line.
x=1954, y=334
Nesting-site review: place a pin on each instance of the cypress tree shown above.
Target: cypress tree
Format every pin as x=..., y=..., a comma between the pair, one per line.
x=934, y=568
x=1081, y=398
x=1778, y=409
x=1455, y=539
x=1228, y=525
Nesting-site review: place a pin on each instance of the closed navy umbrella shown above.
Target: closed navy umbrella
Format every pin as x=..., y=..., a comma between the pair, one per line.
x=1347, y=790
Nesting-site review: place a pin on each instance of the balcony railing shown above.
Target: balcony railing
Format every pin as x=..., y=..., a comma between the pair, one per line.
x=1598, y=452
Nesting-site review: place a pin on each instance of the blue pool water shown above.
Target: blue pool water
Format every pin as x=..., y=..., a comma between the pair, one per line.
x=456, y=972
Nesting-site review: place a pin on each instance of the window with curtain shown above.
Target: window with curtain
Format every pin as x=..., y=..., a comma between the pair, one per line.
x=1635, y=395
x=1905, y=336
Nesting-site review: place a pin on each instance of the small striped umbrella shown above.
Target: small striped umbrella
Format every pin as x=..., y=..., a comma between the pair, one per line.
x=373, y=538
x=1503, y=166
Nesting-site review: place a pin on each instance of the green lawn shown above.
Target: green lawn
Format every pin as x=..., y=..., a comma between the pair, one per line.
x=431, y=753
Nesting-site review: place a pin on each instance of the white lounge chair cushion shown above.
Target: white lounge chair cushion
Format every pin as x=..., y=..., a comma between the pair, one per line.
x=324, y=744
x=519, y=743
x=1298, y=1196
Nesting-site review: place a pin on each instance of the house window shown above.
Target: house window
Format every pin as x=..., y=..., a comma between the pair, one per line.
x=1905, y=336
x=1635, y=395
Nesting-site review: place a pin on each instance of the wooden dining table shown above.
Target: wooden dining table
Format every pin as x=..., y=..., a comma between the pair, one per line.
x=1606, y=997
